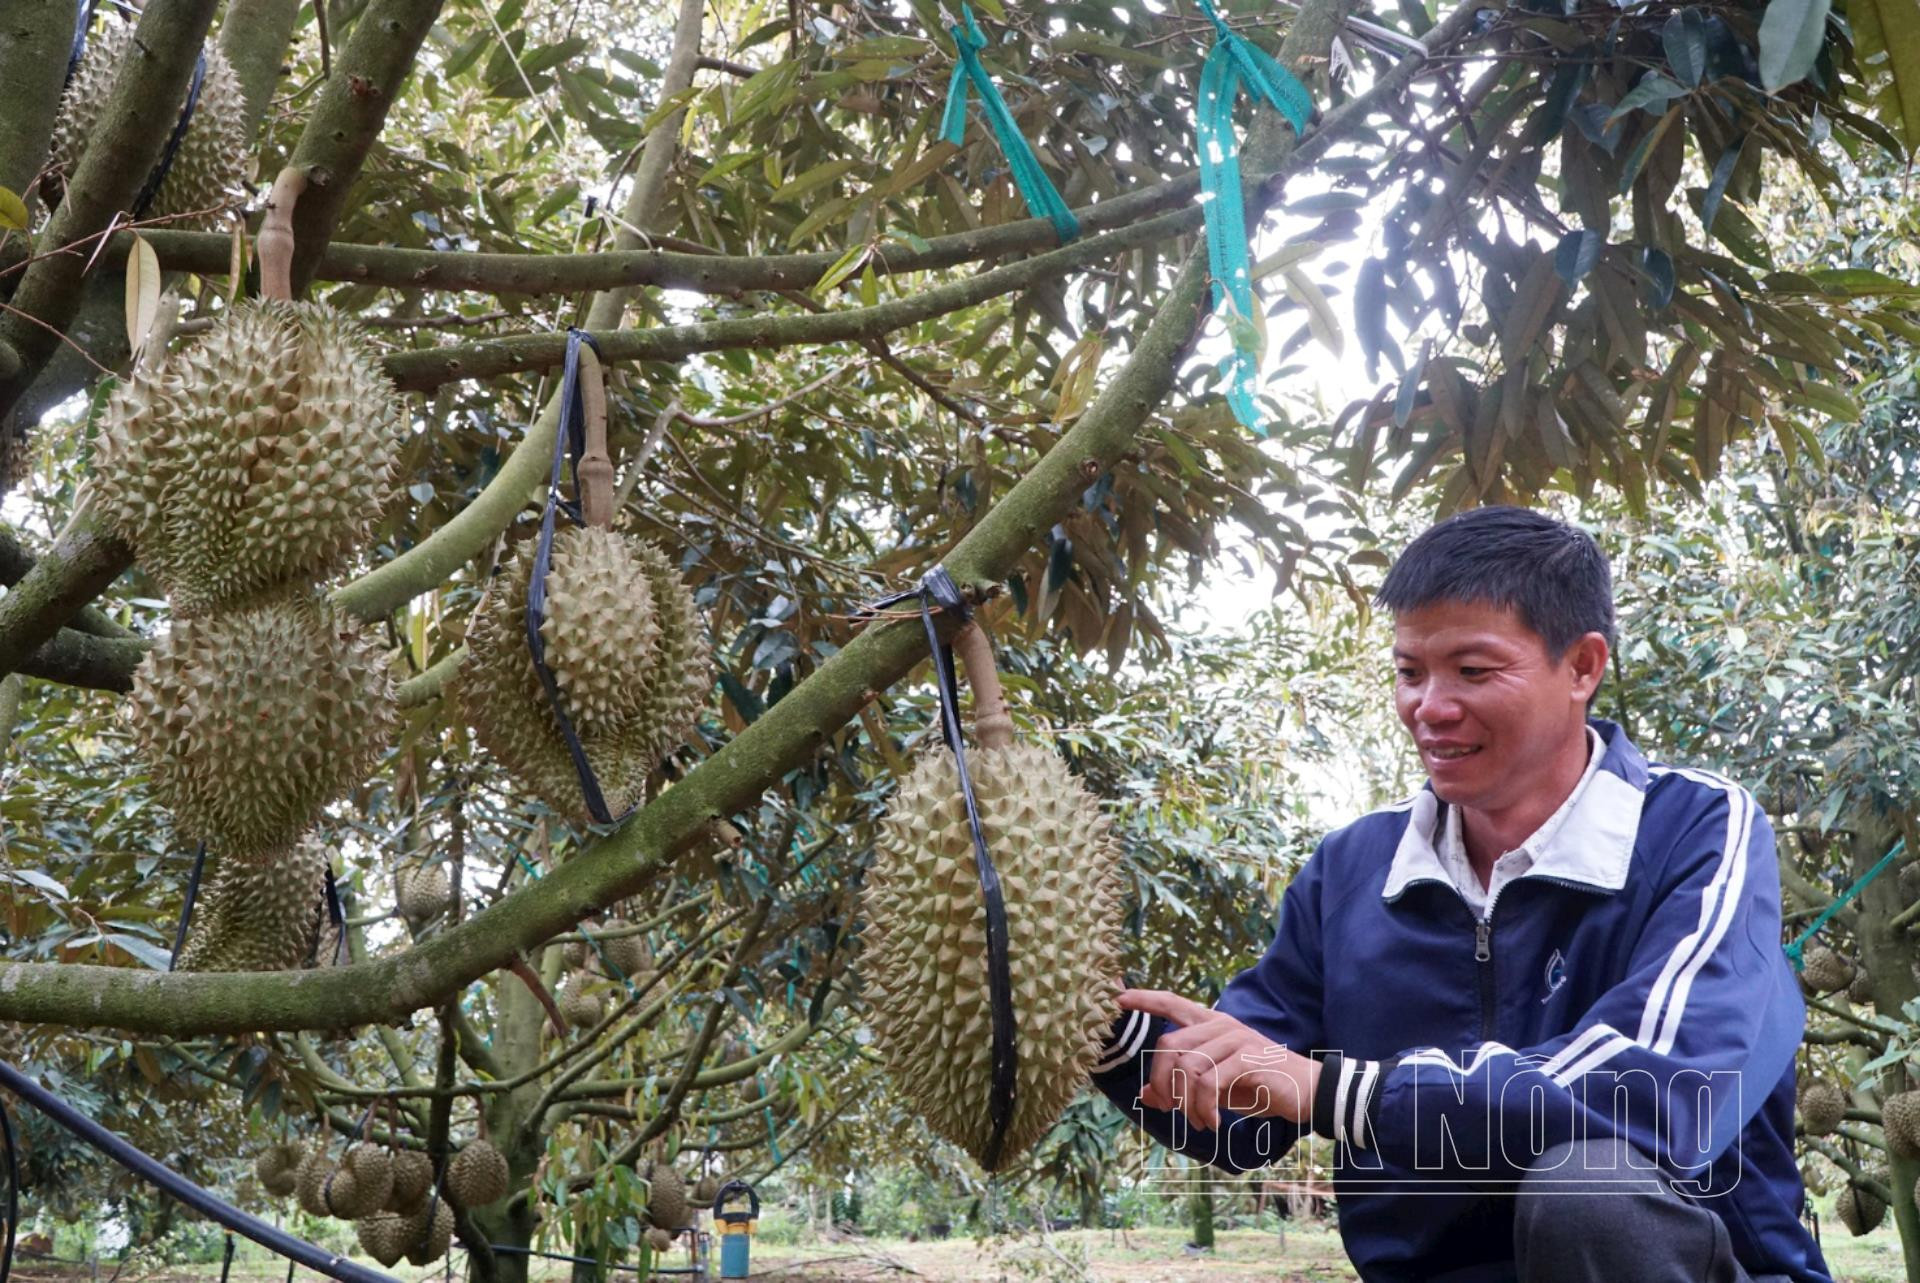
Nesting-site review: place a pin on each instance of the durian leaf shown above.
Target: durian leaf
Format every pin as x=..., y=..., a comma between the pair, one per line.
x=143, y=291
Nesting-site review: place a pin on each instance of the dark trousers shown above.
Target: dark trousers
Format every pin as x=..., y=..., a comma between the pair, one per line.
x=1585, y=1214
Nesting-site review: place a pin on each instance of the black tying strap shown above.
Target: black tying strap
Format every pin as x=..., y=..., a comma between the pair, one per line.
x=226, y=1260
x=186, y=908
x=172, y=1183
x=937, y=591
x=571, y=438
x=82, y=19
x=336, y=914
x=159, y=174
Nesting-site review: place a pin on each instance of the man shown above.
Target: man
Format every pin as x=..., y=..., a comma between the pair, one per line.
x=1542, y=1006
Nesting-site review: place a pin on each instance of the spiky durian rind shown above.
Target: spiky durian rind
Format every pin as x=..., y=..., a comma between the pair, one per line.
x=927, y=942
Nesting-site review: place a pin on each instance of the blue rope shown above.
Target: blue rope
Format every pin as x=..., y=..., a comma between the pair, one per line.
x=1793, y=950
x=1235, y=62
x=1043, y=200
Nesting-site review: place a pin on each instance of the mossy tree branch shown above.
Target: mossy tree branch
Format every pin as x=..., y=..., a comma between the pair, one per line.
x=349, y=116
x=119, y=155
x=487, y=358
x=35, y=36
x=254, y=36
x=78, y=568
x=724, y=275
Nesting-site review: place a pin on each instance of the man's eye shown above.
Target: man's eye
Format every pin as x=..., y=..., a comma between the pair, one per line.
x=1473, y=672
x=1407, y=674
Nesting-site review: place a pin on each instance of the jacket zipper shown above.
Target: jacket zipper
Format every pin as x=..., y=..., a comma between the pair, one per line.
x=1483, y=962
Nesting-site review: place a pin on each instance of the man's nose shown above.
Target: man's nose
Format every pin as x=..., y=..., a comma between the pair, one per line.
x=1436, y=705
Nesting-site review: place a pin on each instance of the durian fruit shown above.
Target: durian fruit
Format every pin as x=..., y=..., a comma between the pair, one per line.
x=423, y=893
x=706, y=1189
x=256, y=913
x=574, y=954
x=258, y=458
x=1859, y=1209
x=659, y=1240
x=252, y=720
x=430, y=1232
x=310, y=1182
x=627, y=650
x=667, y=1204
x=1824, y=970
x=1900, y=1119
x=628, y=953
x=213, y=164
x=384, y=1236
x=928, y=940
x=276, y=1166
x=1910, y=882
x=412, y=1179
x=372, y=1170
x=1860, y=989
x=580, y=1006
x=477, y=1175
x=1823, y=1106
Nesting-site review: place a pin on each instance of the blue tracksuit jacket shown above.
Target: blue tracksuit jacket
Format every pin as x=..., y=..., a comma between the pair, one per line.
x=1632, y=981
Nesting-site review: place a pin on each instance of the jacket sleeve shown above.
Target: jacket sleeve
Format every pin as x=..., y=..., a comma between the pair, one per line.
x=1279, y=996
x=1677, y=1057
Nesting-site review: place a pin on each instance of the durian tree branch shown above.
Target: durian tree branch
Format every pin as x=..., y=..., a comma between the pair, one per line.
x=16, y=561
x=77, y=569
x=120, y=153
x=428, y=368
x=710, y=272
x=34, y=40
x=630, y=858
x=351, y=111
x=74, y=658
x=254, y=36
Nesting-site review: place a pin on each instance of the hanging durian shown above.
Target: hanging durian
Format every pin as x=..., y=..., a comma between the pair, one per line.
x=1900, y=1120
x=384, y=1235
x=580, y=1006
x=1859, y=1209
x=257, y=912
x=213, y=164
x=706, y=1189
x=1860, y=989
x=927, y=939
x=628, y=954
x=477, y=1175
x=310, y=1182
x=1823, y=970
x=667, y=1204
x=252, y=720
x=422, y=893
x=372, y=1169
x=276, y=1166
x=412, y=1180
x=259, y=457
x=623, y=640
x=429, y=1232
x=1823, y=1105
x=660, y=1240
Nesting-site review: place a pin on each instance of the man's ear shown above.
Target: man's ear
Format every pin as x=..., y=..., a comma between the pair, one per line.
x=1588, y=659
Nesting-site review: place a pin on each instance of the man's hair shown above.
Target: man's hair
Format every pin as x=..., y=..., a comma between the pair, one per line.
x=1551, y=574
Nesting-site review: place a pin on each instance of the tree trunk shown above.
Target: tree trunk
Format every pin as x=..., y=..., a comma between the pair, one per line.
x=512, y=1220
x=1889, y=957
x=1203, y=1218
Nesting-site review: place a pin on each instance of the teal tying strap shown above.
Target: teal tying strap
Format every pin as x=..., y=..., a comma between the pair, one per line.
x=1793, y=950
x=1043, y=201
x=1233, y=62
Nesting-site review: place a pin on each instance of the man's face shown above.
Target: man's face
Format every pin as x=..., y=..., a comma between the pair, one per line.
x=1490, y=713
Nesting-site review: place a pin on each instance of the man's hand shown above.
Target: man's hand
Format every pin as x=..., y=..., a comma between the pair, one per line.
x=1226, y=1065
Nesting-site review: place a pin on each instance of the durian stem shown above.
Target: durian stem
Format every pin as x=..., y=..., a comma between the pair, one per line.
x=275, y=242
x=518, y=965
x=596, y=466
x=992, y=724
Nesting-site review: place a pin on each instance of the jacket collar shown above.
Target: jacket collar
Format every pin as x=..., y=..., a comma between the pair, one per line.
x=1592, y=847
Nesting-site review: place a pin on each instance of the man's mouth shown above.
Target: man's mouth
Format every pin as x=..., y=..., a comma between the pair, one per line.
x=1452, y=753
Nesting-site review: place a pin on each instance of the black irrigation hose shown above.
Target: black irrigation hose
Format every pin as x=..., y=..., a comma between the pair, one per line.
x=226, y=1261
x=203, y=1201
